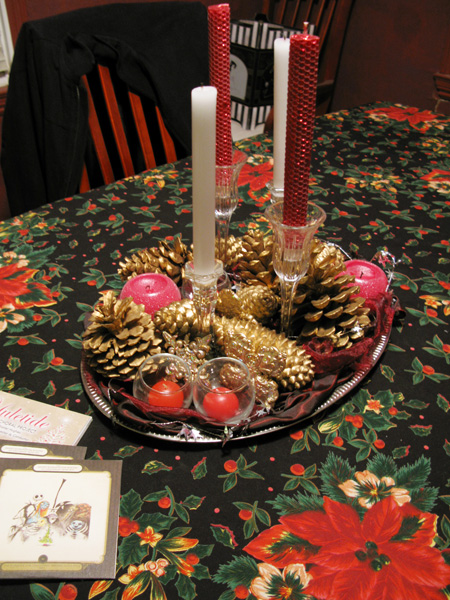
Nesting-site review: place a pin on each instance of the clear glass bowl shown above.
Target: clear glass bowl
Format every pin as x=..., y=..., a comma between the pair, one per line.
x=164, y=380
x=224, y=390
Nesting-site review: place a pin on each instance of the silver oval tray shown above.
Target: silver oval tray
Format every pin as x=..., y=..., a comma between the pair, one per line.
x=192, y=434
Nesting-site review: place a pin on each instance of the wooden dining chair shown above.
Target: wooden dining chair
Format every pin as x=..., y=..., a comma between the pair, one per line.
x=127, y=133
x=330, y=19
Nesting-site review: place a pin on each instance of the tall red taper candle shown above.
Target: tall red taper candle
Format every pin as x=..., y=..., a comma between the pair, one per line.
x=301, y=110
x=219, y=77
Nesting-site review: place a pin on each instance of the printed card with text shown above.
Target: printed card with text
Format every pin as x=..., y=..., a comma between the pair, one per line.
x=14, y=449
x=32, y=421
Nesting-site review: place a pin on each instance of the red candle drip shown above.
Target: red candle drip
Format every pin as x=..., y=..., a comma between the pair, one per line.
x=301, y=110
x=219, y=77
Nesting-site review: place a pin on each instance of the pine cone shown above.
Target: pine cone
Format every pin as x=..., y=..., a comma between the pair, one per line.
x=255, y=301
x=255, y=265
x=234, y=252
x=168, y=259
x=119, y=337
x=258, y=301
x=325, y=300
x=292, y=367
x=179, y=319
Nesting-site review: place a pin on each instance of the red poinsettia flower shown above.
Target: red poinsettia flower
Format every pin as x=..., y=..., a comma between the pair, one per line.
x=18, y=288
x=280, y=547
x=414, y=116
x=388, y=555
x=256, y=176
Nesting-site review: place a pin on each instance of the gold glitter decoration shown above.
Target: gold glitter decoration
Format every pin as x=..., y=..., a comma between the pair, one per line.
x=119, y=337
x=194, y=352
x=257, y=302
x=325, y=305
x=168, y=259
x=232, y=376
x=264, y=364
x=262, y=349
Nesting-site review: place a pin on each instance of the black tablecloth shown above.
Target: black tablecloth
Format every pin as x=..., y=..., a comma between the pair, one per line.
x=351, y=505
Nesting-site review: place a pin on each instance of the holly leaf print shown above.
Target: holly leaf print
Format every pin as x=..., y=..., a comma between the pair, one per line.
x=224, y=536
x=155, y=466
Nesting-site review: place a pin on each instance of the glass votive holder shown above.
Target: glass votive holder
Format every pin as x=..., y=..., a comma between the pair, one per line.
x=164, y=380
x=224, y=390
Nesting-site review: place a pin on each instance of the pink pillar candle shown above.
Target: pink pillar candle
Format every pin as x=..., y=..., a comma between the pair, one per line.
x=219, y=77
x=153, y=290
x=301, y=111
x=368, y=276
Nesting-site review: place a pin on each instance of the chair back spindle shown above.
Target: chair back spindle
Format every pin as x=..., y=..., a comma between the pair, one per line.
x=127, y=133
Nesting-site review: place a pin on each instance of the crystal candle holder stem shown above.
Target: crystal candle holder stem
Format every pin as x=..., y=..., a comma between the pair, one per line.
x=227, y=199
x=203, y=291
x=291, y=253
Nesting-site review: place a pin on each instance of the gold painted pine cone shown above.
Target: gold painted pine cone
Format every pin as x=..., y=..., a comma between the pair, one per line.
x=257, y=302
x=119, y=337
x=234, y=251
x=168, y=259
x=325, y=305
x=255, y=266
x=178, y=319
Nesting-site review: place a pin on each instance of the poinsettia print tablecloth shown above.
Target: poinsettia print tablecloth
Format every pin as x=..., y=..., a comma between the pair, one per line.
x=351, y=505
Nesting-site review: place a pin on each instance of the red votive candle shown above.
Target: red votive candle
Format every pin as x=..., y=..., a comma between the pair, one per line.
x=221, y=404
x=153, y=290
x=166, y=393
x=301, y=110
x=368, y=276
x=219, y=77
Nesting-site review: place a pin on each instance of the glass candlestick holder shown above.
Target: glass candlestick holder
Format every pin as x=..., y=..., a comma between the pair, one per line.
x=202, y=290
x=227, y=199
x=276, y=193
x=291, y=253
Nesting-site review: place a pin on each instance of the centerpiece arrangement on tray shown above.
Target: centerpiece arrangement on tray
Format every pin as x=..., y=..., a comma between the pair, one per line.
x=282, y=309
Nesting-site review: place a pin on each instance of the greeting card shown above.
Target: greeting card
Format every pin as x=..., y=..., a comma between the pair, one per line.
x=59, y=519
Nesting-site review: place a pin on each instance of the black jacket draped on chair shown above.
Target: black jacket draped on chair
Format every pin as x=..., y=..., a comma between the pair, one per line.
x=161, y=52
